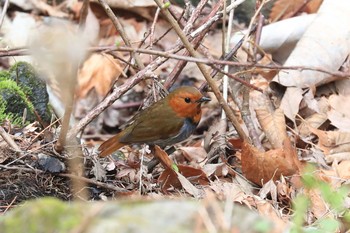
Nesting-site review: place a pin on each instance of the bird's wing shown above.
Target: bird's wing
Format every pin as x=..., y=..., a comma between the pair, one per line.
x=157, y=122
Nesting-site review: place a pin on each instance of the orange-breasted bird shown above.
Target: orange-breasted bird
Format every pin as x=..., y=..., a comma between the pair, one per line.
x=166, y=122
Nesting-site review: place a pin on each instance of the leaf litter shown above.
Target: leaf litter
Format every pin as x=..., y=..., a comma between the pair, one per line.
x=310, y=122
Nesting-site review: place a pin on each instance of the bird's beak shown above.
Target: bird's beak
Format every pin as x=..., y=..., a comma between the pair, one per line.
x=203, y=99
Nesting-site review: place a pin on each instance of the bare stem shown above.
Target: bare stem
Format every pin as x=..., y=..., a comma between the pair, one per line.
x=116, y=22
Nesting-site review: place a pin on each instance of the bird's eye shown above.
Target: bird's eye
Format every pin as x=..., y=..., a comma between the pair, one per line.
x=187, y=100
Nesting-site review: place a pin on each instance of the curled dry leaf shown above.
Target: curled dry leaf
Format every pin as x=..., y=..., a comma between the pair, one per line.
x=260, y=167
x=318, y=206
x=219, y=170
x=215, y=141
x=5, y=151
x=339, y=112
x=338, y=157
x=186, y=184
x=343, y=170
x=332, y=141
x=291, y=101
x=269, y=188
x=313, y=121
x=316, y=47
x=266, y=209
x=280, y=38
x=285, y=192
x=169, y=178
x=283, y=9
x=196, y=154
x=99, y=72
x=229, y=191
x=273, y=125
x=163, y=157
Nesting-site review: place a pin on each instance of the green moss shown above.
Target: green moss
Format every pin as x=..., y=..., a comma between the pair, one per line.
x=33, y=87
x=13, y=103
x=44, y=215
x=4, y=75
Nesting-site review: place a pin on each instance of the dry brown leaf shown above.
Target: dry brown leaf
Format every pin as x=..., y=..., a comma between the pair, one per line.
x=285, y=192
x=266, y=209
x=236, y=142
x=169, y=178
x=332, y=141
x=343, y=86
x=318, y=206
x=338, y=157
x=313, y=121
x=283, y=9
x=339, y=112
x=186, y=184
x=267, y=74
x=219, y=170
x=260, y=167
x=5, y=151
x=99, y=71
x=196, y=154
x=269, y=188
x=163, y=157
x=273, y=125
x=343, y=170
x=316, y=49
x=228, y=191
x=310, y=101
x=215, y=141
x=291, y=102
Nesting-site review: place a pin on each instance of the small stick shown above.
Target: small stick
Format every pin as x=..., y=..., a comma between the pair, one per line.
x=9, y=206
x=9, y=140
x=116, y=22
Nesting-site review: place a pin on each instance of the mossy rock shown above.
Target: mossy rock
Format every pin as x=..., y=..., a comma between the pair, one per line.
x=13, y=103
x=125, y=216
x=33, y=87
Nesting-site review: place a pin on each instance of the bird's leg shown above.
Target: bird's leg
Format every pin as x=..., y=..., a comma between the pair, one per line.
x=155, y=161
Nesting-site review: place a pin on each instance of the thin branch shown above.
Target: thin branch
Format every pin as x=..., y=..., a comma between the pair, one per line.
x=196, y=42
x=9, y=140
x=9, y=205
x=116, y=22
x=169, y=54
x=3, y=13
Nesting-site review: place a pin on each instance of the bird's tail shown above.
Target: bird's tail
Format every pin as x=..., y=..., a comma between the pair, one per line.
x=111, y=145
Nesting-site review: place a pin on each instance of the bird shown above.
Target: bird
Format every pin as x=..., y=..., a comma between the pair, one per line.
x=164, y=123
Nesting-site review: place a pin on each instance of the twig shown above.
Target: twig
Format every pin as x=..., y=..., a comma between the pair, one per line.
x=238, y=79
x=83, y=14
x=196, y=42
x=226, y=46
x=204, y=71
x=119, y=27
x=244, y=107
x=168, y=54
x=9, y=206
x=9, y=140
x=216, y=17
x=3, y=13
x=95, y=182
x=152, y=30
